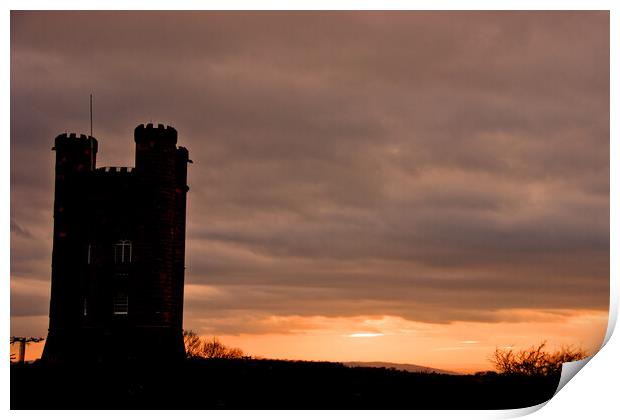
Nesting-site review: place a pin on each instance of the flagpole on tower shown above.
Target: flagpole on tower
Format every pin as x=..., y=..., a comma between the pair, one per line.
x=91, y=114
x=92, y=151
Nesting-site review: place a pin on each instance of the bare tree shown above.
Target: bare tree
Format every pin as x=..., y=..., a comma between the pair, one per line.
x=535, y=361
x=193, y=344
x=214, y=349
x=209, y=349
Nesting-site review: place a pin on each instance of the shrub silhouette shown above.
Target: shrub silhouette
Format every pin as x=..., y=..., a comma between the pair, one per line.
x=196, y=347
x=535, y=361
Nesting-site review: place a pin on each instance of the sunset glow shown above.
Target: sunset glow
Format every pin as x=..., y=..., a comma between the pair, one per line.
x=437, y=345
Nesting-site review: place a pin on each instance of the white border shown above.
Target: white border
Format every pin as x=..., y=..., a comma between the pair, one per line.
x=592, y=394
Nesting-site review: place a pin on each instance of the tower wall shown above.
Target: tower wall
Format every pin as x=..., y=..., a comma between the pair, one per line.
x=75, y=161
x=155, y=180
x=181, y=189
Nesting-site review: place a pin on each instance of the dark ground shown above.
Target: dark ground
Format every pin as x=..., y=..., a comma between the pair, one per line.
x=265, y=384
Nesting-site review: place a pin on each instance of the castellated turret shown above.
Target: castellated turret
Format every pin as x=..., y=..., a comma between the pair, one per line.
x=118, y=251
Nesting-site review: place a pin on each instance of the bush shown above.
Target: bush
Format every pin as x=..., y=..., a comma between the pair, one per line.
x=535, y=361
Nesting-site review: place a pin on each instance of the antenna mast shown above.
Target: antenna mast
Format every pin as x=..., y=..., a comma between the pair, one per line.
x=92, y=148
x=91, y=114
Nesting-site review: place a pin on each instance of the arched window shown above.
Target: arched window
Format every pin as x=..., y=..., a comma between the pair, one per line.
x=122, y=252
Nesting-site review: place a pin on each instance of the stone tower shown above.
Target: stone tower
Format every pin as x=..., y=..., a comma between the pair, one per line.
x=119, y=251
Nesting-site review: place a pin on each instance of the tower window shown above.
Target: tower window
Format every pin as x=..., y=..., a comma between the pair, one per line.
x=88, y=254
x=84, y=307
x=122, y=252
x=120, y=305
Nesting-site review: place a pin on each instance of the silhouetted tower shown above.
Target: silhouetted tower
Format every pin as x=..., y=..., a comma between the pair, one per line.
x=119, y=251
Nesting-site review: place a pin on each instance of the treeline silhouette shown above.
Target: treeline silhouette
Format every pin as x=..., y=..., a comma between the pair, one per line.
x=200, y=383
x=216, y=376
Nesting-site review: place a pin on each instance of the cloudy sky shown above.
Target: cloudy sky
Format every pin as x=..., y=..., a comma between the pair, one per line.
x=407, y=186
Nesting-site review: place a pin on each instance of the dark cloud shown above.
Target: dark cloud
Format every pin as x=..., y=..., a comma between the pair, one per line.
x=433, y=166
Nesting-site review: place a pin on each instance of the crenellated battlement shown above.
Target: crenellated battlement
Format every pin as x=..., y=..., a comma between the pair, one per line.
x=161, y=133
x=73, y=137
x=115, y=170
x=72, y=140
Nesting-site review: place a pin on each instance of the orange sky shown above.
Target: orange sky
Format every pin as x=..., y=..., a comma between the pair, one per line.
x=459, y=346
